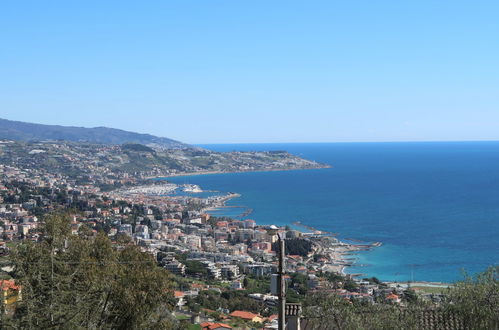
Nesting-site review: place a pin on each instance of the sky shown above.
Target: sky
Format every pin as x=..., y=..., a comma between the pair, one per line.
x=255, y=71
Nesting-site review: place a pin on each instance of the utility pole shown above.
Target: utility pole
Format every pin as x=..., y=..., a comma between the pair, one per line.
x=282, y=286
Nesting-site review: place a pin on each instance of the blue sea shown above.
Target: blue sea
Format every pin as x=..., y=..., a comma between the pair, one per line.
x=433, y=205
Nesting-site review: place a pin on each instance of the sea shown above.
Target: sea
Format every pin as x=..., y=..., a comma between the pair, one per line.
x=434, y=206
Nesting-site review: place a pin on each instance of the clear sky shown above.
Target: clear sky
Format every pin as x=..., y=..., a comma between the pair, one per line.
x=210, y=71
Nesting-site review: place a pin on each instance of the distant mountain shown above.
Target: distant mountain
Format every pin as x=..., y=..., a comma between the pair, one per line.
x=21, y=131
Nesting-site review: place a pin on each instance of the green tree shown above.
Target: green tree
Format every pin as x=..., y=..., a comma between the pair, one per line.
x=350, y=285
x=410, y=296
x=81, y=281
x=476, y=300
x=338, y=313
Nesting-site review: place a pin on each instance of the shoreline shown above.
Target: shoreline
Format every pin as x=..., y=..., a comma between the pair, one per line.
x=340, y=253
x=343, y=253
x=234, y=172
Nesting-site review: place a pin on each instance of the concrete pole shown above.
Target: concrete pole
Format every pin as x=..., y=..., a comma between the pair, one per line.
x=282, y=286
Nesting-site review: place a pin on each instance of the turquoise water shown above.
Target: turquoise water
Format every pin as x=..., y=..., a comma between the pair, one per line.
x=434, y=206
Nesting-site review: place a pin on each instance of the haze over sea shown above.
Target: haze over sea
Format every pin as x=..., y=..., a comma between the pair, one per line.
x=433, y=205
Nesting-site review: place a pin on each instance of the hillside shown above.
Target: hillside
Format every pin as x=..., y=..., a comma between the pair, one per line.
x=99, y=162
x=21, y=131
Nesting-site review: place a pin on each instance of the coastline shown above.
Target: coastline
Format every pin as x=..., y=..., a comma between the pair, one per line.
x=343, y=254
x=339, y=253
x=233, y=172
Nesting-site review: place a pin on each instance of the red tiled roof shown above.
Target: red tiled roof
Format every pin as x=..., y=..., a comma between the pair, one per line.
x=244, y=315
x=212, y=325
x=8, y=284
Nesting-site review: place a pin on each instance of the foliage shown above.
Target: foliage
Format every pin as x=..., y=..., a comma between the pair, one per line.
x=350, y=285
x=73, y=282
x=473, y=302
x=410, y=296
x=295, y=246
x=231, y=300
x=332, y=277
x=476, y=300
x=194, y=267
x=299, y=284
x=338, y=313
x=136, y=147
x=257, y=284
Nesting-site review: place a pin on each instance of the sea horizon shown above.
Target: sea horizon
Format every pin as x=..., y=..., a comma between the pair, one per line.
x=221, y=144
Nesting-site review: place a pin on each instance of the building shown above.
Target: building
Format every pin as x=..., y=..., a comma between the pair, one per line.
x=126, y=229
x=215, y=326
x=393, y=298
x=179, y=299
x=192, y=241
x=259, y=269
x=142, y=231
x=249, y=223
x=11, y=293
x=242, y=235
x=229, y=272
x=247, y=316
x=212, y=269
x=175, y=267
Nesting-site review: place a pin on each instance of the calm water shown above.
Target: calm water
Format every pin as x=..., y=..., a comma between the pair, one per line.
x=434, y=206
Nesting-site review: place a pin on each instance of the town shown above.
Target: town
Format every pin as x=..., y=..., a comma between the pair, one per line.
x=224, y=269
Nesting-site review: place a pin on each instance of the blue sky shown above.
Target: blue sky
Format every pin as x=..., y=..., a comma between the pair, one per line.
x=255, y=71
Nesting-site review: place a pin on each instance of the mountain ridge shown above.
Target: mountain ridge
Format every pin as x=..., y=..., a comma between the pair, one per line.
x=24, y=131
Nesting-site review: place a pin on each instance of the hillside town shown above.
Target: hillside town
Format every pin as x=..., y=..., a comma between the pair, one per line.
x=112, y=166
x=224, y=269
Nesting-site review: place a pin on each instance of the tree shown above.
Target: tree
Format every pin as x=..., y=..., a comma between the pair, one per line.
x=350, y=285
x=471, y=304
x=72, y=281
x=194, y=267
x=410, y=296
x=295, y=246
x=338, y=313
x=476, y=300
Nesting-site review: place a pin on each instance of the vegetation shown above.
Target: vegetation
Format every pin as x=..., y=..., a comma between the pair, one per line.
x=476, y=300
x=16, y=130
x=350, y=285
x=195, y=268
x=96, y=164
x=339, y=313
x=470, y=304
x=257, y=284
x=137, y=147
x=295, y=246
x=82, y=281
x=228, y=300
